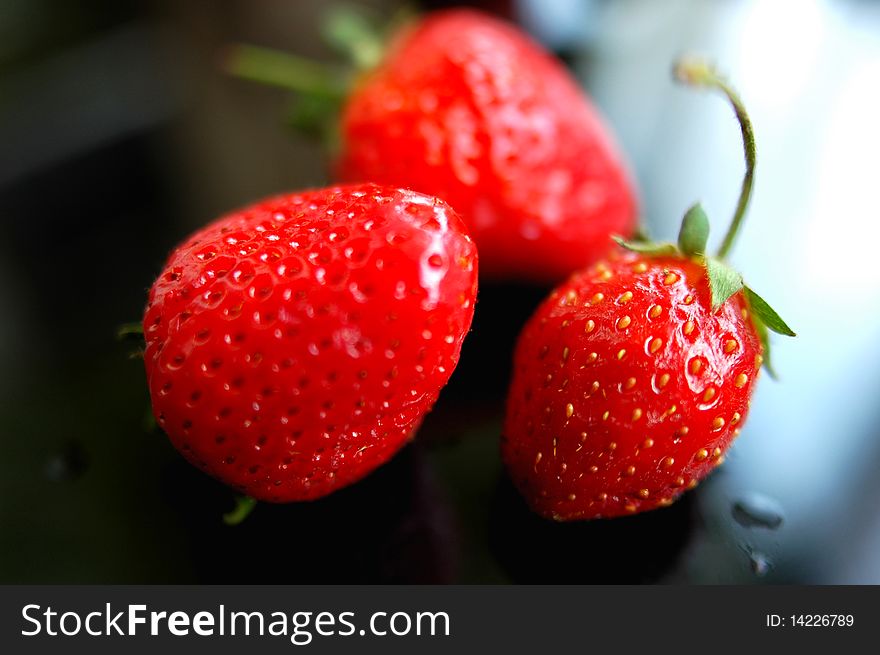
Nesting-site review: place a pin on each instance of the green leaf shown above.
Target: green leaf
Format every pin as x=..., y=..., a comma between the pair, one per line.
x=244, y=505
x=767, y=314
x=315, y=117
x=287, y=71
x=723, y=281
x=694, y=232
x=764, y=336
x=646, y=247
x=351, y=32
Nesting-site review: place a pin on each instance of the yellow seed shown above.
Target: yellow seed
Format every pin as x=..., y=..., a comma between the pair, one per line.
x=716, y=452
x=571, y=497
x=671, y=278
x=735, y=418
x=589, y=326
x=663, y=380
x=569, y=410
x=571, y=297
x=565, y=352
x=679, y=481
x=719, y=461
x=683, y=430
x=593, y=389
x=641, y=267
x=637, y=414
x=696, y=366
x=583, y=436
x=624, y=322
x=656, y=344
x=606, y=415
x=612, y=445
x=625, y=297
x=656, y=310
x=688, y=327
x=602, y=497
x=630, y=508
x=709, y=394
x=740, y=380
x=621, y=353
x=644, y=493
x=702, y=454
x=538, y=458
x=596, y=299
x=688, y=300
x=594, y=469
x=565, y=323
x=758, y=361
x=692, y=483
x=605, y=275
x=717, y=423
x=671, y=410
x=730, y=345
x=664, y=502
x=592, y=357
x=630, y=383
x=630, y=470
x=668, y=462
x=745, y=313
x=647, y=443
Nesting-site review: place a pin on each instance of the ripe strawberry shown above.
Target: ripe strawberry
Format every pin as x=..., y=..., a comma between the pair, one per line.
x=468, y=108
x=295, y=345
x=633, y=378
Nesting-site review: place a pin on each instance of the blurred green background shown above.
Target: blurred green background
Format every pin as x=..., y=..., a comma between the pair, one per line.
x=120, y=135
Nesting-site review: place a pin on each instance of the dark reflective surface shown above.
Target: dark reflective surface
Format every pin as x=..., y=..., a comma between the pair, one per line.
x=637, y=549
x=395, y=527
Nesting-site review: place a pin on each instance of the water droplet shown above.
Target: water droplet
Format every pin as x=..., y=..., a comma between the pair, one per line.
x=759, y=563
x=757, y=511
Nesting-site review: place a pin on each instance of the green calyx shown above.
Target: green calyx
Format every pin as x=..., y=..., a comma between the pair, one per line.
x=244, y=505
x=724, y=281
x=318, y=89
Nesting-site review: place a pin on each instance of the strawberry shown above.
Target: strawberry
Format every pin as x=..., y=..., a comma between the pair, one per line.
x=468, y=108
x=633, y=378
x=295, y=345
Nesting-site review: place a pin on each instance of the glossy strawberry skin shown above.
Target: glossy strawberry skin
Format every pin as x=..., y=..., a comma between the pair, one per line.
x=627, y=389
x=467, y=108
x=295, y=345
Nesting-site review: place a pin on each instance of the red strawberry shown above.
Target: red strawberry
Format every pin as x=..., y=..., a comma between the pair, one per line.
x=468, y=108
x=295, y=345
x=633, y=378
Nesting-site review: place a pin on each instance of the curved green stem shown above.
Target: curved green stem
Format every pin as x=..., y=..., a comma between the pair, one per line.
x=288, y=71
x=695, y=72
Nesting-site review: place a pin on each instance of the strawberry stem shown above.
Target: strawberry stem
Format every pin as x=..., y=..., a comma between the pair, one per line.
x=282, y=69
x=698, y=73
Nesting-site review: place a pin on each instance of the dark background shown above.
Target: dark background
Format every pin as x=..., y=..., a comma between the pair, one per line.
x=119, y=134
